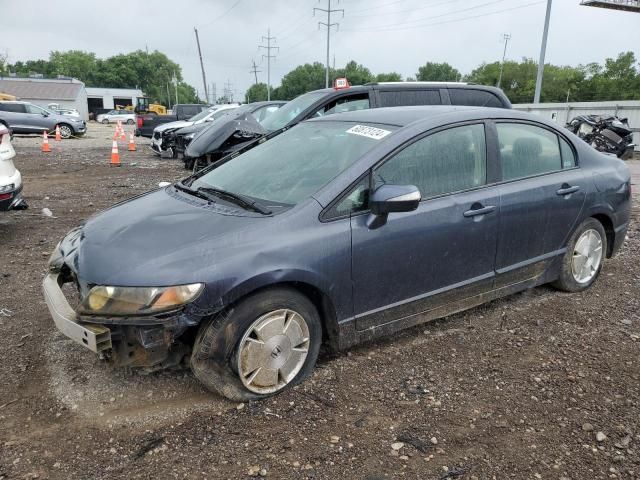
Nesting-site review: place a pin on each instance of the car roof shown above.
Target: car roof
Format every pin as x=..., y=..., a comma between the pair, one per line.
x=404, y=116
x=411, y=86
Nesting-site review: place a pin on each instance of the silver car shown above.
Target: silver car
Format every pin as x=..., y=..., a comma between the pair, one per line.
x=113, y=116
x=25, y=117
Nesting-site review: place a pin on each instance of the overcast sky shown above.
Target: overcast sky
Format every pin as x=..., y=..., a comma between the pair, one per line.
x=384, y=35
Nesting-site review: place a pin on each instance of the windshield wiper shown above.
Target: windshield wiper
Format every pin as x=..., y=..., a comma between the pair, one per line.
x=236, y=198
x=191, y=191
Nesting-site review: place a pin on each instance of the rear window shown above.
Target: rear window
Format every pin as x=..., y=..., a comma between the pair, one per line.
x=12, y=107
x=400, y=98
x=190, y=110
x=474, y=98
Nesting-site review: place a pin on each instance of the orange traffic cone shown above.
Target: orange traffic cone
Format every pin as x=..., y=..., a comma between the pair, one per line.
x=132, y=145
x=123, y=136
x=45, y=142
x=58, y=136
x=115, y=156
x=116, y=133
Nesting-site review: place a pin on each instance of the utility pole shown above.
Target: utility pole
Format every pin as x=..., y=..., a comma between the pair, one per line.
x=506, y=37
x=268, y=56
x=255, y=70
x=543, y=51
x=213, y=93
x=204, y=78
x=168, y=96
x=328, y=24
x=175, y=79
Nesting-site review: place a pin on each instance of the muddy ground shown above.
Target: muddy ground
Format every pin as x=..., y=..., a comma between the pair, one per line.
x=539, y=385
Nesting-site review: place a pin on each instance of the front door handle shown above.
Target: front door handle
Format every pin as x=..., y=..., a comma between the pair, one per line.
x=567, y=190
x=474, y=212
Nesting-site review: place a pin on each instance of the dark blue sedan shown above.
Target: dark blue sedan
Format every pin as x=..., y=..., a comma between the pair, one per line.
x=339, y=230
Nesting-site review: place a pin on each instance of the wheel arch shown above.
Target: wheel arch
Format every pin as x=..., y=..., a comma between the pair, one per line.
x=307, y=287
x=607, y=223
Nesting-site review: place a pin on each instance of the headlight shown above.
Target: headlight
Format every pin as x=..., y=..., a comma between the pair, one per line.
x=105, y=300
x=189, y=136
x=7, y=188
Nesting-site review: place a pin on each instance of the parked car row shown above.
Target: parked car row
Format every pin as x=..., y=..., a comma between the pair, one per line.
x=358, y=222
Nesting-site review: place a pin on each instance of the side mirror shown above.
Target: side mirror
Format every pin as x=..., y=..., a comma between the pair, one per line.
x=164, y=184
x=45, y=114
x=388, y=199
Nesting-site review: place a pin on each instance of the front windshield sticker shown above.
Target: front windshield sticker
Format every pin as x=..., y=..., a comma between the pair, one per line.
x=371, y=132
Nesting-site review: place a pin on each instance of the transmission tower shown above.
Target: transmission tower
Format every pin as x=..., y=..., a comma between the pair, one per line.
x=328, y=24
x=268, y=56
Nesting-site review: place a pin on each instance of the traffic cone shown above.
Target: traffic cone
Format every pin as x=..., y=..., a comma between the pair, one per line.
x=115, y=156
x=122, y=133
x=58, y=136
x=132, y=145
x=45, y=142
x=116, y=133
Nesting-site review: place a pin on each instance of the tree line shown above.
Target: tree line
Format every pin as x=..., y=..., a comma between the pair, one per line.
x=617, y=79
x=153, y=72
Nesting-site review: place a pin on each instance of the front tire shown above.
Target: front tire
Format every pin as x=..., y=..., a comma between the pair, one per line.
x=65, y=130
x=263, y=345
x=583, y=260
x=130, y=122
x=105, y=121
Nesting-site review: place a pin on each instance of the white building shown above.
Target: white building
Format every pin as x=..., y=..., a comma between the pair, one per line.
x=108, y=98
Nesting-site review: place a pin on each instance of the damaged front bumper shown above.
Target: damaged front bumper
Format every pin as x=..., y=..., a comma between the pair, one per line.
x=150, y=341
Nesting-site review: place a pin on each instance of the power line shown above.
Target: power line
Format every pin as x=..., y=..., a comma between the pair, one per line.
x=221, y=15
x=328, y=24
x=390, y=29
x=268, y=56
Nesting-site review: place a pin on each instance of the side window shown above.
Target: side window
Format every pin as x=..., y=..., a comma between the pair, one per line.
x=444, y=162
x=568, y=157
x=474, y=98
x=33, y=109
x=344, y=104
x=355, y=200
x=399, y=98
x=527, y=150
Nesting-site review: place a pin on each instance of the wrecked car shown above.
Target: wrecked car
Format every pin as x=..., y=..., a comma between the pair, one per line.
x=340, y=230
x=10, y=178
x=162, y=138
x=224, y=136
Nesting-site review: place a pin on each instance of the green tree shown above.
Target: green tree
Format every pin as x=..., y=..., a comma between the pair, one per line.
x=438, y=72
x=301, y=79
x=355, y=73
x=389, y=77
x=256, y=93
x=74, y=63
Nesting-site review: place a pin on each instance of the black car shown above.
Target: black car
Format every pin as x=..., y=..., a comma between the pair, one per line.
x=339, y=230
x=177, y=140
x=208, y=146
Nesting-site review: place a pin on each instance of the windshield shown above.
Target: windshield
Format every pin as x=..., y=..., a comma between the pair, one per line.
x=291, y=110
x=202, y=114
x=294, y=165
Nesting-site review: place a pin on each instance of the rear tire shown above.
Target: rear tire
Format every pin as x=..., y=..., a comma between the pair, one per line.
x=130, y=122
x=255, y=349
x=105, y=121
x=583, y=260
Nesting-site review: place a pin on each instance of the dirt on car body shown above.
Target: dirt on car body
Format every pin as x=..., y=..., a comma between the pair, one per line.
x=538, y=385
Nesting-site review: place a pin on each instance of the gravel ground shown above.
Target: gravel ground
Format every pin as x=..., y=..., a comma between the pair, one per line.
x=539, y=385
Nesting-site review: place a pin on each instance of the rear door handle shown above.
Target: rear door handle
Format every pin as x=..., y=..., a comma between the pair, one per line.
x=479, y=211
x=567, y=190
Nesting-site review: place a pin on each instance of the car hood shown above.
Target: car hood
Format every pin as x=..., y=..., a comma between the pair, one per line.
x=170, y=125
x=242, y=125
x=198, y=127
x=161, y=238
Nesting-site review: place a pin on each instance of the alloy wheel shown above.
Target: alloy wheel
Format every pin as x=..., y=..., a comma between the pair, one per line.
x=587, y=256
x=272, y=351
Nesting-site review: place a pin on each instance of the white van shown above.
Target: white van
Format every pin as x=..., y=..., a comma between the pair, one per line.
x=10, y=178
